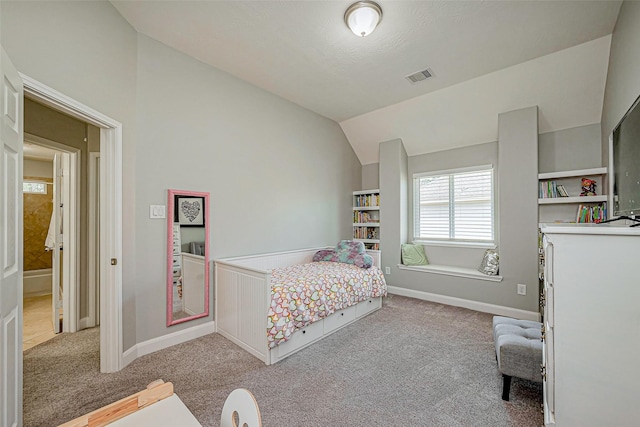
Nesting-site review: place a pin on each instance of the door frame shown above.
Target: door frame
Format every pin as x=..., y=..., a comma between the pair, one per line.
x=71, y=256
x=111, y=353
x=93, y=279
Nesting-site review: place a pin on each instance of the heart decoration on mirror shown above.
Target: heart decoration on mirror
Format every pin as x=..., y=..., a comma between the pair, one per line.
x=190, y=210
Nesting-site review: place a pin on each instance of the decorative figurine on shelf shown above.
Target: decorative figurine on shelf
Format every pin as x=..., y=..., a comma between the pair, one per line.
x=588, y=187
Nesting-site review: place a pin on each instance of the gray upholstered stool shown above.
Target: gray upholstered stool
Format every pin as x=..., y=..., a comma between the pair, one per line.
x=518, y=350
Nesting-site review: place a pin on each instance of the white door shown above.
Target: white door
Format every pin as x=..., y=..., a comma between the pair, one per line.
x=11, y=98
x=68, y=242
x=56, y=284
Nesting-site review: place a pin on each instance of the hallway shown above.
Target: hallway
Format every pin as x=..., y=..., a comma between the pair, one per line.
x=37, y=327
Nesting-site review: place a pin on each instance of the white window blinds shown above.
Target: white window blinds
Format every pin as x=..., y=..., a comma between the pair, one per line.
x=454, y=206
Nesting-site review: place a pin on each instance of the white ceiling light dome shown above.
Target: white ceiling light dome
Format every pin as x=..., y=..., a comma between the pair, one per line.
x=363, y=17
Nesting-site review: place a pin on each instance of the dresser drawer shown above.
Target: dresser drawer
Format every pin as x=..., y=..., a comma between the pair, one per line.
x=300, y=338
x=176, y=271
x=366, y=307
x=177, y=260
x=339, y=319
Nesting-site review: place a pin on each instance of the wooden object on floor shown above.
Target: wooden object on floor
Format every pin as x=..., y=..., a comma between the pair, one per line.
x=154, y=392
x=240, y=409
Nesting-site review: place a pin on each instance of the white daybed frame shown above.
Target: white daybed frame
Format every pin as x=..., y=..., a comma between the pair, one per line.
x=243, y=297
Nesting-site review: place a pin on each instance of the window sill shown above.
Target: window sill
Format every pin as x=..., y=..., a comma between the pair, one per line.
x=447, y=270
x=480, y=245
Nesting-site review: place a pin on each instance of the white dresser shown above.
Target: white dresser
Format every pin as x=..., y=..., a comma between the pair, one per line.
x=591, y=341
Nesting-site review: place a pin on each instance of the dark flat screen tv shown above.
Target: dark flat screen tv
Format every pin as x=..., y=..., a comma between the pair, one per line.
x=625, y=153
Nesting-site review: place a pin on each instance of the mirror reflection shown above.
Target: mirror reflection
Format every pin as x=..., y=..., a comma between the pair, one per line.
x=188, y=261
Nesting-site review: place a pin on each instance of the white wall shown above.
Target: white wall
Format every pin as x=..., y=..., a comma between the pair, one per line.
x=280, y=177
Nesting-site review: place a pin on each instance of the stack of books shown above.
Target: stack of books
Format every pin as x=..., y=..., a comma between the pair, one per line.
x=551, y=189
x=591, y=213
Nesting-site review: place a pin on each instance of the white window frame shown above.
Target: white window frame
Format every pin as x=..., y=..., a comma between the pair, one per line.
x=452, y=241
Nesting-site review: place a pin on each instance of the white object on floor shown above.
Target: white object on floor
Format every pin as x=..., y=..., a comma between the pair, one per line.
x=242, y=407
x=156, y=406
x=169, y=412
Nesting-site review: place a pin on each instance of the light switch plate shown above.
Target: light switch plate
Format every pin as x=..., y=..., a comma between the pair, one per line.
x=522, y=289
x=157, y=211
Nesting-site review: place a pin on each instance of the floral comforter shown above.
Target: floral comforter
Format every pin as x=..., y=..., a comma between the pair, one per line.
x=305, y=293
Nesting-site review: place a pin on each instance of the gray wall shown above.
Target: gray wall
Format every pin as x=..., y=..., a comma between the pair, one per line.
x=280, y=177
x=518, y=212
x=87, y=51
x=516, y=165
x=470, y=289
x=41, y=168
x=393, y=204
x=623, y=77
x=475, y=155
x=371, y=176
x=570, y=149
x=517, y=186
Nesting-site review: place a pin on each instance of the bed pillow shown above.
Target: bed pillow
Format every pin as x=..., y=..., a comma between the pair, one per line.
x=363, y=260
x=347, y=251
x=350, y=246
x=490, y=264
x=413, y=255
x=325, y=255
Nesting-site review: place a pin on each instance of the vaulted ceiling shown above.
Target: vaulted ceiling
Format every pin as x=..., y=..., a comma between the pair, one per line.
x=303, y=51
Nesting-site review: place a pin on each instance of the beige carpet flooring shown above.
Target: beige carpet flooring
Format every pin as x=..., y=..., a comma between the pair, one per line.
x=412, y=363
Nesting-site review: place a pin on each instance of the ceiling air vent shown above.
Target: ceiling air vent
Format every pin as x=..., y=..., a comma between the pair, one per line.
x=419, y=76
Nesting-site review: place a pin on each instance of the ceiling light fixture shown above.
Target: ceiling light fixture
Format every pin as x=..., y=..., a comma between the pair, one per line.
x=363, y=17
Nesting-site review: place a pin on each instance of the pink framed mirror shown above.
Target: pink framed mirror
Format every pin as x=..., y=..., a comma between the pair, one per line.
x=187, y=256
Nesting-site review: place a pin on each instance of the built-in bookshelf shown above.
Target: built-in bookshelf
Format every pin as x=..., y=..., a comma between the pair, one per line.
x=366, y=218
x=564, y=188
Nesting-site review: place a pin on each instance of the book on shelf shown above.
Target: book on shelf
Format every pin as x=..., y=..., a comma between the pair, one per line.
x=365, y=233
x=562, y=191
x=551, y=189
x=363, y=217
x=367, y=200
x=591, y=213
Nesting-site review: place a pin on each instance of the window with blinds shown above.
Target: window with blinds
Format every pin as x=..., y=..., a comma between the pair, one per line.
x=454, y=206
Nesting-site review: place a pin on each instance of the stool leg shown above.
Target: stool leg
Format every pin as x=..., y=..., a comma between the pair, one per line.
x=506, y=385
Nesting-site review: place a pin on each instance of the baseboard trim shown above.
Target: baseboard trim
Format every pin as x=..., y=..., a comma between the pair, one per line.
x=84, y=323
x=129, y=356
x=166, y=341
x=472, y=305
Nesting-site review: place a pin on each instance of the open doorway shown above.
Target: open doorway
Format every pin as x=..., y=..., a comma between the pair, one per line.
x=109, y=230
x=42, y=315
x=71, y=243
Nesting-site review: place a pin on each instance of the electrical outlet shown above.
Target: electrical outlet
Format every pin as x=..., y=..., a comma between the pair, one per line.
x=522, y=289
x=387, y=270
